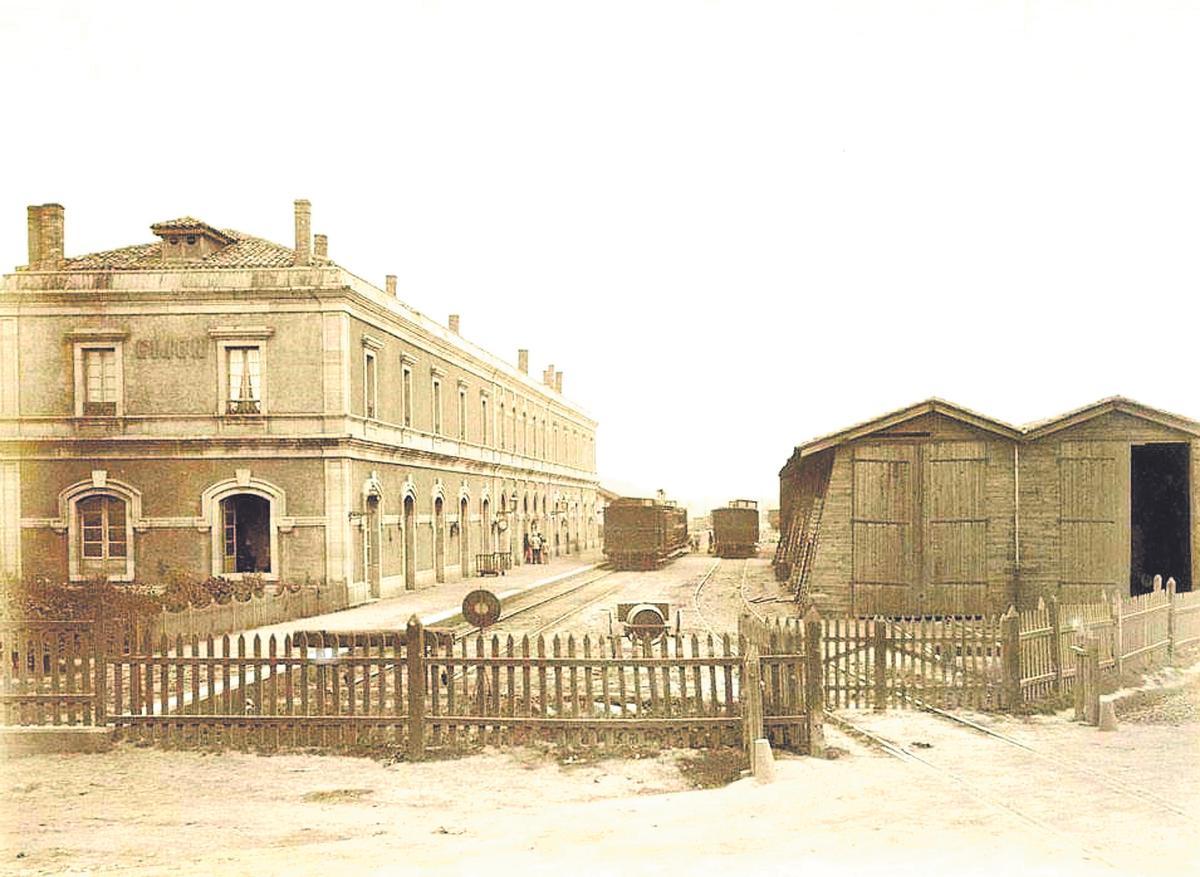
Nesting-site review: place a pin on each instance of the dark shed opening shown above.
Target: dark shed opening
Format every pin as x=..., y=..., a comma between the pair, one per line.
x=1160, y=516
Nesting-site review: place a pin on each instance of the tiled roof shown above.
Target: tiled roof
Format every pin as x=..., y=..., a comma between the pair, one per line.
x=181, y=222
x=246, y=251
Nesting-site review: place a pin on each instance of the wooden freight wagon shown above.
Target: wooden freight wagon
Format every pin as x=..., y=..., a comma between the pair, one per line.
x=643, y=533
x=735, y=529
x=936, y=510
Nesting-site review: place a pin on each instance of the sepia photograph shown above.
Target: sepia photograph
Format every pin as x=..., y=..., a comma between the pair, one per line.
x=563, y=437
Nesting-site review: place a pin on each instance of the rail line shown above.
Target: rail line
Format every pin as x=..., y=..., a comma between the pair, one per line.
x=696, y=597
x=1106, y=780
x=973, y=791
x=464, y=630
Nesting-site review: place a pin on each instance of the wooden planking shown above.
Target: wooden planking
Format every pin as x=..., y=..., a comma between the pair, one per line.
x=882, y=517
x=1093, y=544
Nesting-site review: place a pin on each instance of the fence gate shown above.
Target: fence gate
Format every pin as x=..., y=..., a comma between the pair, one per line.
x=877, y=663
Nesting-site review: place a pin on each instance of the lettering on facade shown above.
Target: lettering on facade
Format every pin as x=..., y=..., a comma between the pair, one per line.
x=171, y=348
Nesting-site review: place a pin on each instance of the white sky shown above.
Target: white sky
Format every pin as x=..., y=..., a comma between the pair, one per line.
x=733, y=225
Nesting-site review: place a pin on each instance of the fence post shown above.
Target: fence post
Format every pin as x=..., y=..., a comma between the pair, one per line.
x=752, y=705
x=1118, y=615
x=814, y=683
x=100, y=680
x=1171, y=618
x=1087, y=696
x=880, y=657
x=414, y=649
x=1010, y=629
x=1055, y=616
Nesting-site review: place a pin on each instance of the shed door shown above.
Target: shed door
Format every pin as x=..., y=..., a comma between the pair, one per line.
x=1090, y=506
x=883, y=528
x=955, y=520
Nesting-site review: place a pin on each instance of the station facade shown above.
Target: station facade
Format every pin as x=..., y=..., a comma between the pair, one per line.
x=215, y=404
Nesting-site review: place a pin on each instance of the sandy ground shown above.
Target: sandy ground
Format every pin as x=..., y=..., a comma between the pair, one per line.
x=984, y=808
x=718, y=604
x=1085, y=803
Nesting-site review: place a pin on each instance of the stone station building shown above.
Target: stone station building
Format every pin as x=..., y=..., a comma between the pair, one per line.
x=217, y=404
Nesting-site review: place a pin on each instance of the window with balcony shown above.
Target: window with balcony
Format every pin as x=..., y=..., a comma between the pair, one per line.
x=406, y=392
x=437, y=406
x=462, y=412
x=370, y=386
x=243, y=369
x=100, y=382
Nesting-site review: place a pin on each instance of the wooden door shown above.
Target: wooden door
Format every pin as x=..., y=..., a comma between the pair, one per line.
x=371, y=546
x=882, y=526
x=1093, y=545
x=954, y=523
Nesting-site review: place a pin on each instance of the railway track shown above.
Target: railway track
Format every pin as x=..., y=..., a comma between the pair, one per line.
x=1112, y=784
x=696, y=597
x=546, y=612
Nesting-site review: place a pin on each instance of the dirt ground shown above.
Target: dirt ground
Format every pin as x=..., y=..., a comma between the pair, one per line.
x=984, y=808
x=719, y=602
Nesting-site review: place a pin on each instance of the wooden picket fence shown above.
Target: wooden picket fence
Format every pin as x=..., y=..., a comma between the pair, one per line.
x=51, y=673
x=1130, y=633
x=896, y=662
x=348, y=689
x=270, y=607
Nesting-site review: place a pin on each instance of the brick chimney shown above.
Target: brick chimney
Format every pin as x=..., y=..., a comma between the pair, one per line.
x=453, y=323
x=523, y=361
x=33, y=215
x=320, y=248
x=390, y=283
x=303, y=253
x=548, y=376
x=44, y=227
x=558, y=381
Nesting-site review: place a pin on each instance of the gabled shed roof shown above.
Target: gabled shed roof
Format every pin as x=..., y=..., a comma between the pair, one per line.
x=1030, y=431
x=903, y=415
x=1120, y=404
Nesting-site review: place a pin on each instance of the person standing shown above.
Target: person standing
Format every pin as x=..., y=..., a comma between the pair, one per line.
x=526, y=550
x=535, y=545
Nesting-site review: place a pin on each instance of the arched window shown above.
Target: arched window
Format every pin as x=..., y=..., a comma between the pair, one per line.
x=103, y=537
x=99, y=516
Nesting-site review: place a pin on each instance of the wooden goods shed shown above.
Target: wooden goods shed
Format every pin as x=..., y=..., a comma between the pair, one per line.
x=936, y=510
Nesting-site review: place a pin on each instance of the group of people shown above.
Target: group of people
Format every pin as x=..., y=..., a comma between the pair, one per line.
x=535, y=548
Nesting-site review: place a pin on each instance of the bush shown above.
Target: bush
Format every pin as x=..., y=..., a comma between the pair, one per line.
x=175, y=591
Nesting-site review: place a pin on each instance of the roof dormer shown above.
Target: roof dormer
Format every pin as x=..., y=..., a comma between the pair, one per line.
x=186, y=239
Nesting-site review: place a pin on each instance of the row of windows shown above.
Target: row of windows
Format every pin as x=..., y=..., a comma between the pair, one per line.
x=98, y=379
x=524, y=435
x=242, y=394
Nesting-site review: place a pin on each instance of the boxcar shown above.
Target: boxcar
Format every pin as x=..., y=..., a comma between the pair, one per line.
x=643, y=533
x=735, y=529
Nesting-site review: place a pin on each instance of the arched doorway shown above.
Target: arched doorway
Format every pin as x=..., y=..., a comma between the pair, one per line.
x=524, y=525
x=485, y=525
x=246, y=533
x=439, y=542
x=503, y=536
x=371, y=545
x=410, y=544
x=464, y=541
